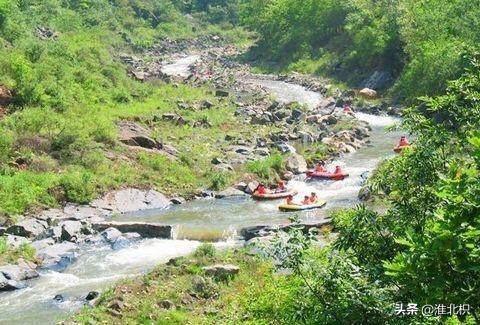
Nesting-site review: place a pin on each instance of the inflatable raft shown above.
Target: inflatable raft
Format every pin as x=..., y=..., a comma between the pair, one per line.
x=293, y=208
x=274, y=196
x=327, y=175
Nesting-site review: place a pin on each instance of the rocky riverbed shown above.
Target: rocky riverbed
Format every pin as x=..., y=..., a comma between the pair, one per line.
x=301, y=111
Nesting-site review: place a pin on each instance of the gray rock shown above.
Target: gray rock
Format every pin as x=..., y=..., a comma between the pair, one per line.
x=57, y=257
x=178, y=200
x=16, y=241
x=297, y=115
x=229, y=192
x=223, y=168
x=71, y=230
x=306, y=137
x=206, y=104
x=29, y=228
x=296, y=164
x=251, y=186
x=111, y=235
x=285, y=148
x=241, y=186
x=262, y=152
x=135, y=135
x=9, y=285
x=145, y=229
x=264, y=119
x=2, y=230
x=217, y=161
x=18, y=273
x=43, y=243
x=130, y=200
x=92, y=295
x=121, y=242
x=53, y=232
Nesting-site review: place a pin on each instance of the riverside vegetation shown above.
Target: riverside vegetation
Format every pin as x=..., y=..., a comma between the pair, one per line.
x=423, y=249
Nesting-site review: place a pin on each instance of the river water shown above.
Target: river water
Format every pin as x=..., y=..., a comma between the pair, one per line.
x=219, y=221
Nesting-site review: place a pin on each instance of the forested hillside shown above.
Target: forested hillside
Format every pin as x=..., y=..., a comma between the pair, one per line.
x=419, y=45
x=64, y=87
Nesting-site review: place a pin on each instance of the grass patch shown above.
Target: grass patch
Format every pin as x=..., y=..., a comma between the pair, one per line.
x=197, y=298
x=11, y=255
x=315, y=152
x=267, y=169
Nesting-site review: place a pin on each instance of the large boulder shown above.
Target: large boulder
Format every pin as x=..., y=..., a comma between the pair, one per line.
x=21, y=272
x=43, y=243
x=135, y=135
x=251, y=187
x=296, y=164
x=57, y=257
x=71, y=230
x=16, y=241
x=131, y=200
x=111, y=235
x=368, y=93
x=29, y=228
x=9, y=285
x=229, y=192
x=145, y=229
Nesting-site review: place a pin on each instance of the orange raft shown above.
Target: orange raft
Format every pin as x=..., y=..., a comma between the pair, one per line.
x=273, y=196
x=327, y=175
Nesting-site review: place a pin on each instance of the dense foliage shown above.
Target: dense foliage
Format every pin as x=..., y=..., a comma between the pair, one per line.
x=418, y=42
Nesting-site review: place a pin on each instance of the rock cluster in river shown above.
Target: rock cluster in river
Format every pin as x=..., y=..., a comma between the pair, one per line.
x=58, y=234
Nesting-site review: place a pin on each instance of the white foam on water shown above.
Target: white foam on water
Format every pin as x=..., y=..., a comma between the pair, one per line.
x=181, y=67
x=376, y=120
x=151, y=252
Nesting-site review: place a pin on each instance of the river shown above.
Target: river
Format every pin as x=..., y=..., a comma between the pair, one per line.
x=97, y=267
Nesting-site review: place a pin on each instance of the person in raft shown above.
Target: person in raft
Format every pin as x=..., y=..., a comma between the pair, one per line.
x=290, y=200
x=403, y=142
x=260, y=190
x=306, y=200
x=281, y=187
x=338, y=170
x=320, y=167
x=347, y=109
x=313, y=198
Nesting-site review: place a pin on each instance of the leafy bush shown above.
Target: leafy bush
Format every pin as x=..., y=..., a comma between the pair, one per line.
x=79, y=186
x=268, y=168
x=205, y=250
x=219, y=180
